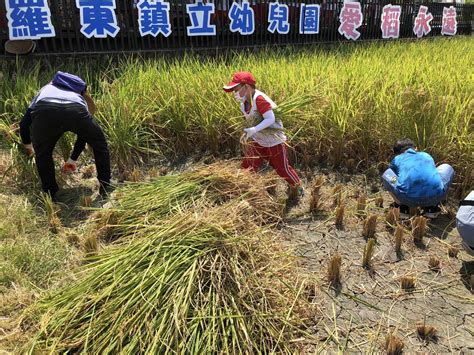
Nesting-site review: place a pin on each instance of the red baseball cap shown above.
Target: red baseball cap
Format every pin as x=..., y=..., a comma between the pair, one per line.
x=241, y=77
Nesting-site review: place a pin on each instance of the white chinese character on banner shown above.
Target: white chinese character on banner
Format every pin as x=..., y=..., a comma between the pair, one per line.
x=29, y=19
x=351, y=19
x=98, y=18
x=422, y=22
x=200, y=16
x=390, y=23
x=450, y=24
x=154, y=17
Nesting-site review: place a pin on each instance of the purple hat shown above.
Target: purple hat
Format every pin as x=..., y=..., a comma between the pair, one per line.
x=69, y=82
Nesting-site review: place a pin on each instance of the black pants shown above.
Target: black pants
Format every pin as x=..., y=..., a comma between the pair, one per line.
x=49, y=122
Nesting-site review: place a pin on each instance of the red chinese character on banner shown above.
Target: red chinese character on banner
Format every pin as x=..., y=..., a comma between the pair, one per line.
x=422, y=22
x=450, y=24
x=390, y=24
x=351, y=19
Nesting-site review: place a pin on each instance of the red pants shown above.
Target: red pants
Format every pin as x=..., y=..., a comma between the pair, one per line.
x=276, y=156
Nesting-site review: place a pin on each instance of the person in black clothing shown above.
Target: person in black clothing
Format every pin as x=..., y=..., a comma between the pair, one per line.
x=60, y=107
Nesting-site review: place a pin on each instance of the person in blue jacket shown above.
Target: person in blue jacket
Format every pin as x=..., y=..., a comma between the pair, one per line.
x=413, y=180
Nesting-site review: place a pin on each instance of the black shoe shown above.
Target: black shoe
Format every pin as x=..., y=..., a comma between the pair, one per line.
x=105, y=189
x=432, y=212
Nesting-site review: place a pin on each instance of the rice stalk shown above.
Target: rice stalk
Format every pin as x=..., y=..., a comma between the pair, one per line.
x=72, y=237
x=337, y=195
x=413, y=211
x=200, y=283
x=88, y=171
x=369, y=227
x=134, y=175
x=90, y=245
x=340, y=216
x=426, y=332
x=351, y=165
x=399, y=233
x=407, y=283
x=85, y=201
x=393, y=345
x=379, y=202
x=138, y=205
x=52, y=210
x=361, y=205
x=368, y=253
x=434, y=263
x=314, y=204
x=334, y=269
x=419, y=226
x=392, y=217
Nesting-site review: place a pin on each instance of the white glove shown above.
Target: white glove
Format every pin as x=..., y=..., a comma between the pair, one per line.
x=249, y=132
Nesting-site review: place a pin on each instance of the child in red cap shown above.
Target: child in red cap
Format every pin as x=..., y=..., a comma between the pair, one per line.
x=267, y=136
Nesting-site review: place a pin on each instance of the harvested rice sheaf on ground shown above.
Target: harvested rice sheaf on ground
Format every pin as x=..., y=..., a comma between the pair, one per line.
x=138, y=205
x=194, y=285
x=207, y=280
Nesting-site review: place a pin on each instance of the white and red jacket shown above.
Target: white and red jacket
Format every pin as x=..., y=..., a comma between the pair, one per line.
x=262, y=106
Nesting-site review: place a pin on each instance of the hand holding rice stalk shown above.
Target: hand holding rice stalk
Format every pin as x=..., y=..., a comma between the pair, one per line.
x=10, y=132
x=294, y=106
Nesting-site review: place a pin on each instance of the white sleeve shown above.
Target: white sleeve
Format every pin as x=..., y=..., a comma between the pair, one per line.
x=268, y=120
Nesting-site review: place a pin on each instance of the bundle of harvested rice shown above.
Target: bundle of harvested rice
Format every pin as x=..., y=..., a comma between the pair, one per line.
x=138, y=205
x=208, y=282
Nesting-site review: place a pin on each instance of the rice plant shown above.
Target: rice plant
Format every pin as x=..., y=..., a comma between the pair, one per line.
x=339, y=222
x=434, y=263
x=399, y=233
x=369, y=226
x=368, y=253
x=426, y=332
x=361, y=204
x=419, y=227
x=362, y=99
x=392, y=217
x=315, y=202
x=407, y=283
x=334, y=269
x=393, y=345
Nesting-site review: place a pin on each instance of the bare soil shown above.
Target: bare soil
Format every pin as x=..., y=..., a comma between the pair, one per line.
x=357, y=314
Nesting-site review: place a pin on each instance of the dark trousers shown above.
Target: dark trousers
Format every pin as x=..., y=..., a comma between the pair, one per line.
x=49, y=122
